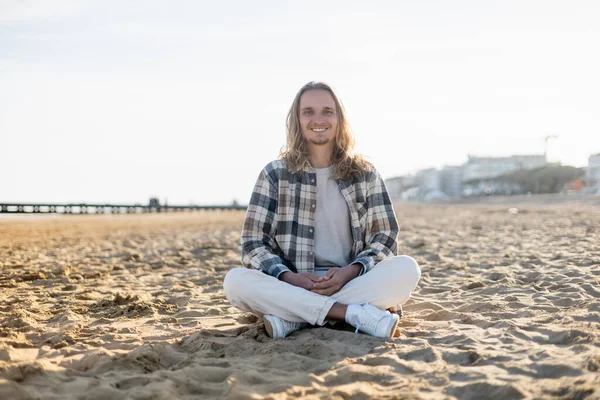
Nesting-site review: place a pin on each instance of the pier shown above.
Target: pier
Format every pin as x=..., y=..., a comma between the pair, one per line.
x=83, y=208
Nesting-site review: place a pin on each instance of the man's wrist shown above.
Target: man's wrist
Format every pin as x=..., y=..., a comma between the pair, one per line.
x=285, y=276
x=354, y=270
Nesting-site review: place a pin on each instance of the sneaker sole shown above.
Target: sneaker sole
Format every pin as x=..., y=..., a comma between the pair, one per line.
x=395, y=321
x=268, y=327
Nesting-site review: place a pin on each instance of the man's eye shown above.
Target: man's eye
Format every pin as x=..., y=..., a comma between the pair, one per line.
x=328, y=112
x=307, y=112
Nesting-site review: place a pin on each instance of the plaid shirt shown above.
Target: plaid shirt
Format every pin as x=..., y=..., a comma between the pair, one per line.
x=278, y=232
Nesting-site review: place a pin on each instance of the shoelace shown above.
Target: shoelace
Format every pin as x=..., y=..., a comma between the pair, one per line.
x=358, y=326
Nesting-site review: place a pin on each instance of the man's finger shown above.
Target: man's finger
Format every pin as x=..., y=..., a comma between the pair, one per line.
x=329, y=291
x=327, y=284
x=324, y=284
x=331, y=272
x=323, y=292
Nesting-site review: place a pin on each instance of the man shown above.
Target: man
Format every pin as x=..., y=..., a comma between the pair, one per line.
x=319, y=236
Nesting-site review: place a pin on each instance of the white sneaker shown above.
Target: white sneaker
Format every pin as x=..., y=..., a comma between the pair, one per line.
x=279, y=328
x=372, y=320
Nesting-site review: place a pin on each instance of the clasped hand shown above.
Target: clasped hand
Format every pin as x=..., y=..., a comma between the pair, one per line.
x=326, y=285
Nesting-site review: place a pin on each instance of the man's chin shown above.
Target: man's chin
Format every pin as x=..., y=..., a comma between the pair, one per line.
x=319, y=142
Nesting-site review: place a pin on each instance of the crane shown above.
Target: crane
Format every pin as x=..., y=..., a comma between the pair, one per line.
x=548, y=137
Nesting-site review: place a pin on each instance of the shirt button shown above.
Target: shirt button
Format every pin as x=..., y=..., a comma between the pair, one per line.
x=313, y=205
x=311, y=253
x=312, y=181
x=310, y=230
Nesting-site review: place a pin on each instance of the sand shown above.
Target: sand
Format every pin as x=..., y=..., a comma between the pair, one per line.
x=131, y=307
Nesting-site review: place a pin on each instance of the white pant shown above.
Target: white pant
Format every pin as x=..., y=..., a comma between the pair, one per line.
x=388, y=284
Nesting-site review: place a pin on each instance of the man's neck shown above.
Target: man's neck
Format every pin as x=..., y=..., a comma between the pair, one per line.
x=320, y=155
x=320, y=158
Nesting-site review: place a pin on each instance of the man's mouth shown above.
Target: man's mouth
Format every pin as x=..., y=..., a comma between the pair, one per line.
x=318, y=129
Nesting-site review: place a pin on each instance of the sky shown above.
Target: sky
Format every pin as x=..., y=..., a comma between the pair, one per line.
x=117, y=101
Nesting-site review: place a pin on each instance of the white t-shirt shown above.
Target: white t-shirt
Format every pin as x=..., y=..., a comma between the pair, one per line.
x=333, y=237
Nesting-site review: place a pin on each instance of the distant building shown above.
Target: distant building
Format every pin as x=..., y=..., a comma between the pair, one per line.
x=401, y=187
x=530, y=161
x=451, y=180
x=428, y=180
x=395, y=187
x=474, y=178
x=478, y=168
x=592, y=174
x=576, y=185
x=154, y=202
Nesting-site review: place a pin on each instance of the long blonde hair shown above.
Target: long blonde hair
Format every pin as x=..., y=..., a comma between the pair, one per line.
x=347, y=164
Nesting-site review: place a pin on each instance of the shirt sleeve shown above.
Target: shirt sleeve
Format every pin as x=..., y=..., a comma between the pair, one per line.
x=259, y=249
x=381, y=239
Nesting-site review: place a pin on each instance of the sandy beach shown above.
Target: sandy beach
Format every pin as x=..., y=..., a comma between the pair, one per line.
x=132, y=307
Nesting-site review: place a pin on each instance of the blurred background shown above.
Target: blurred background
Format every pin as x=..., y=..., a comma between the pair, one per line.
x=185, y=101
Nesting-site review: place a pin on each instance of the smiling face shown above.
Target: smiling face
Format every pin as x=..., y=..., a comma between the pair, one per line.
x=318, y=118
